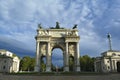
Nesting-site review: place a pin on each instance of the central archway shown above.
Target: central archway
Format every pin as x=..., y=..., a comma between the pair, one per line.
x=57, y=59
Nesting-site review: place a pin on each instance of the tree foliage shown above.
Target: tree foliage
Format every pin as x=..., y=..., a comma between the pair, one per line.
x=42, y=65
x=71, y=63
x=27, y=63
x=87, y=63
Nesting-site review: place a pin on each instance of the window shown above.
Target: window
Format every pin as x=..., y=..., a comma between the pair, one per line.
x=108, y=67
x=107, y=61
x=103, y=67
x=5, y=61
x=113, y=54
x=3, y=67
x=4, y=55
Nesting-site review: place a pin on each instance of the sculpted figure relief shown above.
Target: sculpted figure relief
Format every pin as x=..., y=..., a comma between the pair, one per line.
x=72, y=33
x=43, y=48
x=71, y=49
x=45, y=32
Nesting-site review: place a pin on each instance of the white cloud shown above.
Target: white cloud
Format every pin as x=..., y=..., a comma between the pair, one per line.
x=19, y=19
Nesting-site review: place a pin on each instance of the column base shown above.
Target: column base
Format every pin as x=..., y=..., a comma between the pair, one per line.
x=77, y=69
x=66, y=69
x=48, y=69
x=37, y=69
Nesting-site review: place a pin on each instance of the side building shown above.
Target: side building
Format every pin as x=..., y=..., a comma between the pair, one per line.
x=108, y=62
x=9, y=62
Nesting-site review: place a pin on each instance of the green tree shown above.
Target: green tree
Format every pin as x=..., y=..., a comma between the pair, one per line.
x=87, y=63
x=71, y=63
x=42, y=65
x=27, y=63
x=32, y=64
x=53, y=67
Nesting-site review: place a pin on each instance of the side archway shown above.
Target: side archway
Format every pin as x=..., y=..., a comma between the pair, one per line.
x=118, y=66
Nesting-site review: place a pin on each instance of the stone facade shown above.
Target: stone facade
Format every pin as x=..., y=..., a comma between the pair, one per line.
x=108, y=62
x=8, y=62
x=65, y=39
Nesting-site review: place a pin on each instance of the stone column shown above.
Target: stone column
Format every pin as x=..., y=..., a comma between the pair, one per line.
x=95, y=65
x=77, y=56
x=48, y=61
x=111, y=67
x=37, y=66
x=116, y=65
x=66, y=68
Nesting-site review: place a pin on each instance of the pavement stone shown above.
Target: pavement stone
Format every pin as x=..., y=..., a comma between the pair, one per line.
x=81, y=77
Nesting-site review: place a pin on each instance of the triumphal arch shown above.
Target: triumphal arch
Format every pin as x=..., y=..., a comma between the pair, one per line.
x=65, y=39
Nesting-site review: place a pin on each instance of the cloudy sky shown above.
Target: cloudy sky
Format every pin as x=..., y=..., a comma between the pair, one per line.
x=95, y=18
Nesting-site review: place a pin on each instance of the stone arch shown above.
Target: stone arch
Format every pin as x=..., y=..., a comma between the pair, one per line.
x=48, y=39
x=118, y=66
x=62, y=48
x=58, y=46
x=57, y=62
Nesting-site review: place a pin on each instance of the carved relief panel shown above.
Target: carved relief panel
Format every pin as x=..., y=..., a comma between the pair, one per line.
x=43, y=48
x=43, y=32
x=71, y=49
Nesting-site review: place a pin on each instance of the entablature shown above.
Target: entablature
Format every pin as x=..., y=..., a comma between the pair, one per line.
x=72, y=39
x=43, y=38
x=57, y=32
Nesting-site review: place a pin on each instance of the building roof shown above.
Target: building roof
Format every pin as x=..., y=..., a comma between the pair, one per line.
x=3, y=56
x=3, y=50
x=110, y=51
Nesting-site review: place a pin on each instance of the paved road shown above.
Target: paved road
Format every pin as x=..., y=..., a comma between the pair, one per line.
x=81, y=77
